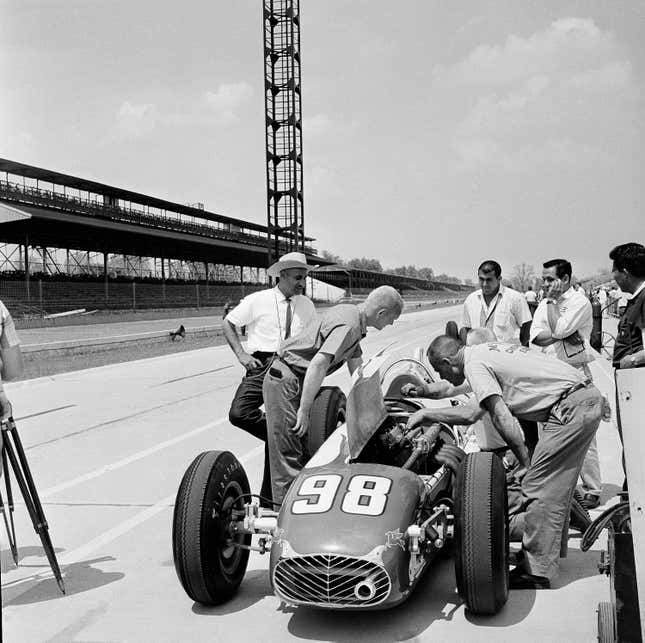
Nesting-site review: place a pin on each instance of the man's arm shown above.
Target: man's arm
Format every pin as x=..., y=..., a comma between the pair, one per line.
x=314, y=377
x=504, y=423
x=435, y=390
x=230, y=333
x=564, y=325
x=463, y=414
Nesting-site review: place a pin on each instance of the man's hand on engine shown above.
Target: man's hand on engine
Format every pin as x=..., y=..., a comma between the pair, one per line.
x=417, y=419
x=5, y=407
x=302, y=423
x=413, y=390
x=430, y=390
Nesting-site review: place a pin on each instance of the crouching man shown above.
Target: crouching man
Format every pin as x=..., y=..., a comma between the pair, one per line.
x=509, y=381
x=294, y=378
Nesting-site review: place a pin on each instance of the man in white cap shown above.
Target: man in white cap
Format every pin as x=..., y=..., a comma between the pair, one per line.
x=270, y=317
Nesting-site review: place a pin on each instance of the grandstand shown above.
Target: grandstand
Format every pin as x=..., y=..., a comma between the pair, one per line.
x=68, y=243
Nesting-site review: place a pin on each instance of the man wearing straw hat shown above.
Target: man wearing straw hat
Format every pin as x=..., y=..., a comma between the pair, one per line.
x=270, y=317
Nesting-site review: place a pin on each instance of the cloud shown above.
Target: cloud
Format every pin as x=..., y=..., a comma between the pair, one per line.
x=562, y=96
x=217, y=108
x=134, y=121
x=322, y=129
x=226, y=100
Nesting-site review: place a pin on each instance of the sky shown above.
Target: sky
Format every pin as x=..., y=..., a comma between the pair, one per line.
x=435, y=133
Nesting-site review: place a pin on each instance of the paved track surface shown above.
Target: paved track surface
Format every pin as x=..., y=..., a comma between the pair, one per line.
x=108, y=447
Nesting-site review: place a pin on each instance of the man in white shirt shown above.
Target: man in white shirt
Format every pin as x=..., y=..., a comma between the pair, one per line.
x=494, y=306
x=562, y=327
x=270, y=317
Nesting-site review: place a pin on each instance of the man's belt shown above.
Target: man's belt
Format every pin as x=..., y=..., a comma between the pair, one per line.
x=574, y=388
x=263, y=355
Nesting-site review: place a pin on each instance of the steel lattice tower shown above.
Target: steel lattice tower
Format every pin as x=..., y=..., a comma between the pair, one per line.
x=285, y=204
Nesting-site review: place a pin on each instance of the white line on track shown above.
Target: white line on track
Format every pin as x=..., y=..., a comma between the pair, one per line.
x=80, y=553
x=129, y=459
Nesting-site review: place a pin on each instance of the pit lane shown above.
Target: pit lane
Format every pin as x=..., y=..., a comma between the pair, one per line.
x=108, y=447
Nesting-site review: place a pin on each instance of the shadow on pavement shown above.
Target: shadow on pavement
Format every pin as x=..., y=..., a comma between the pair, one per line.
x=78, y=577
x=576, y=566
x=254, y=588
x=6, y=559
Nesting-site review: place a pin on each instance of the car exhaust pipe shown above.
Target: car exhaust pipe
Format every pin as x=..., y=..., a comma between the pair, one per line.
x=365, y=590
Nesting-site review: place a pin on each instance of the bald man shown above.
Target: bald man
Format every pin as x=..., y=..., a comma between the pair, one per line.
x=295, y=377
x=507, y=381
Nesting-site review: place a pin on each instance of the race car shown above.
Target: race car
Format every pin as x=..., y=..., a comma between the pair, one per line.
x=366, y=516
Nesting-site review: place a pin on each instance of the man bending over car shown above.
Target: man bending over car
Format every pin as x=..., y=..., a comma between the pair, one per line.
x=507, y=381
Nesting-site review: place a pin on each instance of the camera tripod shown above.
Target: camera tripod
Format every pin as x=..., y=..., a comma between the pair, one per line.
x=13, y=459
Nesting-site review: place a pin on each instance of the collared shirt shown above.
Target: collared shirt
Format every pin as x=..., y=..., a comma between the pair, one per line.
x=337, y=332
x=529, y=382
x=629, y=339
x=264, y=313
x=505, y=314
x=575, y=315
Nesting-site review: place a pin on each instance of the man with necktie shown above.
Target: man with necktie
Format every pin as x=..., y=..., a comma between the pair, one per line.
x=270, y=316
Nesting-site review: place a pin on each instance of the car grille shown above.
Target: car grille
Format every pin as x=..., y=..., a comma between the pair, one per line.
x=331, y=581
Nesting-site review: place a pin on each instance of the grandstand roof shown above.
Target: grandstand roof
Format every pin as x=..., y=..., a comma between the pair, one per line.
x=77, y=183
x=348, y=278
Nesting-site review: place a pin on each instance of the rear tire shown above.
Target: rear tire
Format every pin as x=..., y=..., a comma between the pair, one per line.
x=481, y=533
x=210, y=571
x=606, y=623
x=327, y=413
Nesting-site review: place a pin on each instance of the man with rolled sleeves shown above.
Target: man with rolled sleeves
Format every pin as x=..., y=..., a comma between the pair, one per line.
x=510, y=380
x=294, y=378
x=271, y=316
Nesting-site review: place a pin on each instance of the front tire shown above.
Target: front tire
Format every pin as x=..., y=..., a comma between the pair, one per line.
x=209, y=569
x=481, y=533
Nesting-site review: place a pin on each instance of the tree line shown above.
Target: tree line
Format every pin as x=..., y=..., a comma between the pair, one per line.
x=365, y=263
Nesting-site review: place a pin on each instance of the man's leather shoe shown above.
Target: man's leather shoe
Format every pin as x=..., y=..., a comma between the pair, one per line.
x=590, y=501
x=520, y=579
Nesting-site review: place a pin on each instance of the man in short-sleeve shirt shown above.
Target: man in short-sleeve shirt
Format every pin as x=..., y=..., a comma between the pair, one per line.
x=496, y=307
x=295, y=377
x=507, y=381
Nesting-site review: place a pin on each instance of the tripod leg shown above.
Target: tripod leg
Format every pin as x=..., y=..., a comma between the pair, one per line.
x=10, y=533
x=11, y=528
x=30, y=495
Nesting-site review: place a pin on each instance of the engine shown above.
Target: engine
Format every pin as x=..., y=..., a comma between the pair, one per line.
x=415, y=450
